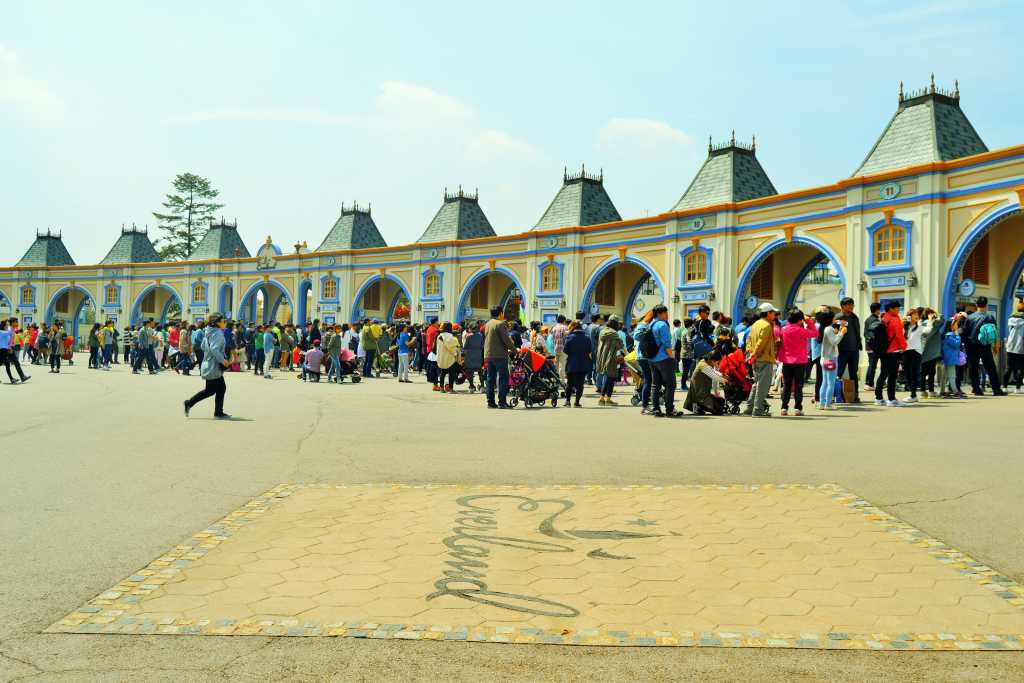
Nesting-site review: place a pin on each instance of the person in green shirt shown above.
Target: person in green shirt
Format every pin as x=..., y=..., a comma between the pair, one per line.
x=261, y=357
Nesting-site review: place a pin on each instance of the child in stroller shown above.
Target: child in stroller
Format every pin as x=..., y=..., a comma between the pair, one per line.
x=534, y=380
x=349, y=366
x=739, y=381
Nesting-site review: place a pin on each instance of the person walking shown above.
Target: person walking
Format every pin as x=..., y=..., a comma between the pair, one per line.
x=933, y=326
x=1015, y=348
x=334, y=341
x=794, y=354
x=830, y=336
x=269, y=342
x=7, y=353
x=184, y=364
x=889, y=342
x=94, y=347
x=610, y=351
x=871, y=323
x=952, y=357
x=404, y=348
x=449, y=354
x=473, y=356
x=497, y=347
x=663, y=367
x=639, y=332
x=912, y=356
x=761, y=354
x=981, y=336
x=56, y=340
x=849, y=349
x=109, y=344
x=557, y=341
x=212, y=370
x=578, y=362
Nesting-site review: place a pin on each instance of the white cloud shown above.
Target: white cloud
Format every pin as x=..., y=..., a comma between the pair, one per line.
x=643, y=133
x=491, y=144
x=17, y=89
x=409, y=98
x=271, y=115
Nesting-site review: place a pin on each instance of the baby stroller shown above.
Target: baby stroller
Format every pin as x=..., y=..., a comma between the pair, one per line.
x=534, y=381
x=739, y=381
x=349, y=367
x=636, y=375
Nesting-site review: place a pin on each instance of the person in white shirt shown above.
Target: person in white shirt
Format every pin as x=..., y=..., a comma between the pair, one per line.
x=912, y=356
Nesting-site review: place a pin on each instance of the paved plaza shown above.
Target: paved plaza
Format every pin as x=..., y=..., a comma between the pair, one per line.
x=386, y=515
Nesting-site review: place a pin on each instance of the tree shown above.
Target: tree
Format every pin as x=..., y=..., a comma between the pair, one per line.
x=188, y=216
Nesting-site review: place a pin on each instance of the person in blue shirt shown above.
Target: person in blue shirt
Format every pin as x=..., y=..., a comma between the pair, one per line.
x=269, y=341
x=663, y=367
x=403, y=352
x=644, y=362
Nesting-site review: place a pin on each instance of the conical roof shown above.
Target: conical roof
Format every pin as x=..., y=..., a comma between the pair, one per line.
x=47, y=250
x=928, y=126
x=354, y=229
x=221, y=241
x=730, y=174
x=459, y=218
x=582, y=200
x=133, y=246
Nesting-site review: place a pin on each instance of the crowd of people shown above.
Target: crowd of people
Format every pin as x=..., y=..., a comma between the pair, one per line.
x=718, y=364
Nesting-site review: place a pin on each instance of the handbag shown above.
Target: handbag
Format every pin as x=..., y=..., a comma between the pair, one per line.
x=961, y=360
x=829, y=365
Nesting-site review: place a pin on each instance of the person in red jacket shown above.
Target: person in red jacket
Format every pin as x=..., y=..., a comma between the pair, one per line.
x=892, y=323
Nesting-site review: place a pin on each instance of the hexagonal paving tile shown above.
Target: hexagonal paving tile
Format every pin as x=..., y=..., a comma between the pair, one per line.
x=636, y=560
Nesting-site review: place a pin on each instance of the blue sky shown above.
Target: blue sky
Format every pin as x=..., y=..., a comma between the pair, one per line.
x=293, y=108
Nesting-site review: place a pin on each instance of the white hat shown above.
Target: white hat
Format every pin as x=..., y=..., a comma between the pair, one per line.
x=767, y=308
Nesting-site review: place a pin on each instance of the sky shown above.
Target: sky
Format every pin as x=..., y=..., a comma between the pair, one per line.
x=291, y=109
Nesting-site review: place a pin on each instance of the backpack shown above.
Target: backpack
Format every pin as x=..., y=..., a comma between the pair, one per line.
x=987, y=334
x=701, y=344
x=878, y=338
x=647, y=343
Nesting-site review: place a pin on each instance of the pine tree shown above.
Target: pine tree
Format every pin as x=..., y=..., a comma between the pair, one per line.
x=188, y=216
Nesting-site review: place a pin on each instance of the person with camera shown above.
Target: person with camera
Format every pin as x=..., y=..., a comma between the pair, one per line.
x=830, y=334
x=889, y=342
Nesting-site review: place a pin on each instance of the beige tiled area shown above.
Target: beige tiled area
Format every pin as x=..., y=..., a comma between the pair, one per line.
x=690, y=565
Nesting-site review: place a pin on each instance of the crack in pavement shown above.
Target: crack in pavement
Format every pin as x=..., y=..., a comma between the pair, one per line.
x=935, y=500
x=31, y=665
x=234, y=660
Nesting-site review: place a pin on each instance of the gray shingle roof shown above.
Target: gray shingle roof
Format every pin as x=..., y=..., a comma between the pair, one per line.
x=459, y=218
x=220, y=241
x=354, y=229
x=133, y=246
x=730, y=174
x=582, y=200
x=927, y=128
x=47, y=250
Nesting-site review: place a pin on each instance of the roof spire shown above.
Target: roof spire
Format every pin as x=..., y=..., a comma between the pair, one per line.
x=565, y=173
x=732, y=140
x=956, y=91
x=901, y=92
x=933, y=83
x=753, y=143
x=709, y=144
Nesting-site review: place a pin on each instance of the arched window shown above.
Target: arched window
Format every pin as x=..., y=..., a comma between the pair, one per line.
x=199, y=292
x=763, y=280
x=330, y=288
x=26, y=296
x=695, y=266
x=550, y=278
x=432, y=284
x=890, y=245
x=111, y=297
x=976, y=266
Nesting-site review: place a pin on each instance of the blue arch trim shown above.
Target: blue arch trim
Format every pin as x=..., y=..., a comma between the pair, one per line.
x=136, y=313
x=771, y=248
x=479, y=275
x=74, y=318
x=1010, y=290
x=956, y=264
x=249, y=298
x=588, y=292
x=358, y=299
x=302, y=316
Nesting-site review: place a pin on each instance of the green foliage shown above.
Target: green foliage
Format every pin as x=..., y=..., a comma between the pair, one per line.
x=187, y=217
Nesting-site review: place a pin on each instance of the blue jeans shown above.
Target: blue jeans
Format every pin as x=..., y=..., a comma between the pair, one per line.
x=108, y=353
x=847, y=360
x=335, y=368
x=368, y=363
x=827, y=394
x=645, y=390
x=497, y=370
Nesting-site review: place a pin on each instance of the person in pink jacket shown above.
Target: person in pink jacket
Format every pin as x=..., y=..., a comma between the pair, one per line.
x=794, y=356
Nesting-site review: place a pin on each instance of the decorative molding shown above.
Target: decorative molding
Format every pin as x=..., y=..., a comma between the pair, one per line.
x=491, y=264
x=891, y=281
x=888, y=213
x=622, y=254
x=788, y=230
x=1020, y=195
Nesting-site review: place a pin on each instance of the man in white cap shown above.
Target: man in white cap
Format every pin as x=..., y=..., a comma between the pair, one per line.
x=761, y=356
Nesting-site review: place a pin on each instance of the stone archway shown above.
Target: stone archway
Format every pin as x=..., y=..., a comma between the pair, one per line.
x=266, y=301
x=158, y=301
x=485, y=289
x=800, y=272
x=621, y=287
x=380, y=297
x=993, y=252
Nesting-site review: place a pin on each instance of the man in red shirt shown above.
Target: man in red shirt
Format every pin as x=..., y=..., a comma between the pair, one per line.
x=896, y=344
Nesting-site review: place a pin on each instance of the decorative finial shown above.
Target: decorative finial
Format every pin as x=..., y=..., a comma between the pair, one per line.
x=269, y=241
x=753, y=143
x=238, y=252
x=956, y=91
x=901, y=91
x=709, y=144
x=732, y=140
x=460, y=189
x=600, y=176
x=933, y=84
x=565, y=173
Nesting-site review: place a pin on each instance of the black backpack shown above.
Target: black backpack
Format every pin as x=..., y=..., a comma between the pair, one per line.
x=647, y=343
x=878, y=338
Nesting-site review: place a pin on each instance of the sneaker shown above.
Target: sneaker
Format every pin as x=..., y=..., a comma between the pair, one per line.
x=910, y=399
x=784, y=412
x=999, y=393
x=879, y=402
x=798, y=413
x=437, y=388
x=894, y=404
x=28, y=377
x=868, y=387
x=222, y=416
x=610, y=402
